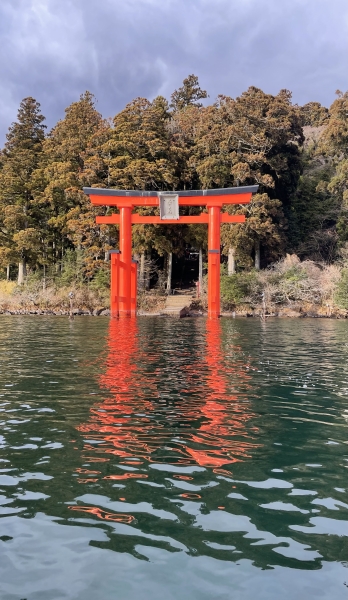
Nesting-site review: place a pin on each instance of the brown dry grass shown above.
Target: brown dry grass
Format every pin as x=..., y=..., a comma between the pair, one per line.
x=34, y=298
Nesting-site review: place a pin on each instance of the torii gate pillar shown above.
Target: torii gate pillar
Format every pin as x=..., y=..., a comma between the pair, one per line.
x=125, y=283
x=214, y=261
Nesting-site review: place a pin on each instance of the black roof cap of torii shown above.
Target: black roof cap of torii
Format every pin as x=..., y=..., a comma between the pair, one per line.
x=217, y=192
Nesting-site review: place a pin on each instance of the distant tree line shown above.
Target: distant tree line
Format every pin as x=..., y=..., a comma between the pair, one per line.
x=297, y=154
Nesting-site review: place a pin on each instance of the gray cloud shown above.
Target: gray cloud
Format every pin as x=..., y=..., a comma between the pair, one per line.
x=56, y=49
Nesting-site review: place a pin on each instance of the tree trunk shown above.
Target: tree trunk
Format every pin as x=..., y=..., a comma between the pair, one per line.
x=54, y=254
x=142, y=283
x=231, y=265
x=22, y=271
x=200, y=270
x=169, y=273
x=147, y=271
x=8, y=273
x=257, y=254
x=107, y=252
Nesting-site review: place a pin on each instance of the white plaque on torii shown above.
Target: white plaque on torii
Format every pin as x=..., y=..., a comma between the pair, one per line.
x=169, y=206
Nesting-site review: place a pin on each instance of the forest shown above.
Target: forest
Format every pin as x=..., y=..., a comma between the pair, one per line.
x=292, y=248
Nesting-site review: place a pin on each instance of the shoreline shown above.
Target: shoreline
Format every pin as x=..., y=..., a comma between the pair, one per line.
x=104, y=312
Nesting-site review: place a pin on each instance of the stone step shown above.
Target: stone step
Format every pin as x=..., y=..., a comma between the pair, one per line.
x=178, y=301
x=182, y=303
x=175, y=305
x=180, y=296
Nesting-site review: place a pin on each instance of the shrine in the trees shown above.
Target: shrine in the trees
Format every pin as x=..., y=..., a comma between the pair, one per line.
x=124, y=269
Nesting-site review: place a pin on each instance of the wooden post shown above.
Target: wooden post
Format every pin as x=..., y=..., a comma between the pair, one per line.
x=71, y=298
x=257, y=254
x=231, y=265
x=200, y=271
x=169, y=273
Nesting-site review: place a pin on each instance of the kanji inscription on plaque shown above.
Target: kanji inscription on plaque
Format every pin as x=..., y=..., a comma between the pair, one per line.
x=169, y=206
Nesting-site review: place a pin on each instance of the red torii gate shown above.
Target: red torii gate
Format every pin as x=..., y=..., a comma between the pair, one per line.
x=123, y=269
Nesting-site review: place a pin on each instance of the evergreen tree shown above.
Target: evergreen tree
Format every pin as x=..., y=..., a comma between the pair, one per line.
x=314, y=210
x=22, y=220
x=253, y=139
x=74, y=158
x=313, y=114
x=188, y=94
x=139, y=147
x=334, y=146
x=140, y=158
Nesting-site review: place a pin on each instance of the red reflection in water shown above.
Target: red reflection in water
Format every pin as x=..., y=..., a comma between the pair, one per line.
x=103, y=514
x=87, y=471
x=127, y=476
x=207, y=423
x=222, y=472
x=225, y=415
x=190, y=496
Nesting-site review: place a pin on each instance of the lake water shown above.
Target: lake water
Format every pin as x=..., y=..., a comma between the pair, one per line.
x=173, y=459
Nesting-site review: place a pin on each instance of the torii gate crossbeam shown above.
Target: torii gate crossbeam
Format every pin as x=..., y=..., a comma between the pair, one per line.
x=123, y=271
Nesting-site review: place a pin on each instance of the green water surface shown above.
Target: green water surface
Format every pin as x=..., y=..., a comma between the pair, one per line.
x=158, y=459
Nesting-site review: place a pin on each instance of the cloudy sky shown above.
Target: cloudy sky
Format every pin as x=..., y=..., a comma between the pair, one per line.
x=119, y=49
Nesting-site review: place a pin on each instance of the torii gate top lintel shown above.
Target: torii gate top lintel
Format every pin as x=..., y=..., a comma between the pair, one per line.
x=249, y=189
x=123, y=273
